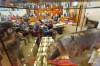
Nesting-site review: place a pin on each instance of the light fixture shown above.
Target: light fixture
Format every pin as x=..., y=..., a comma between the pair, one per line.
x=31, y=49
x=75, y=3
x=24, y=65
x=29, y=55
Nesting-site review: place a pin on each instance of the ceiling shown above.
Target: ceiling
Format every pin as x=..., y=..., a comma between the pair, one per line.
x=20, y=3
x=34, y=1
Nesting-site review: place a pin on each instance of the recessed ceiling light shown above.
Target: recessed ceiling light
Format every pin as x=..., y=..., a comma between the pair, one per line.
x=28, y=55
x=31, y=50
x=24, y=65
x=75, y=3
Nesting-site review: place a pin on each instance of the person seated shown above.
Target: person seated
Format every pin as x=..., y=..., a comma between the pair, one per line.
x=50, y=25
x=36, y=28
x=45, y=30
x=52, y=32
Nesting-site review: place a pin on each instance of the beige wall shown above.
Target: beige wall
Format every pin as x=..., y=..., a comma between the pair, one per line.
x=93, y=13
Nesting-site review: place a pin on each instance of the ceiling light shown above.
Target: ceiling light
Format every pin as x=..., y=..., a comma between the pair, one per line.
x=75, y=3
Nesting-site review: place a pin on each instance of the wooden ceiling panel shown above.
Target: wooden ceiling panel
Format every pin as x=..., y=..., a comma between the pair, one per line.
x=32, y=1
x=46, y=0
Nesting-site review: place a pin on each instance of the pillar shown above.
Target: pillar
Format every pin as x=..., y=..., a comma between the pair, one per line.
x=82, y=17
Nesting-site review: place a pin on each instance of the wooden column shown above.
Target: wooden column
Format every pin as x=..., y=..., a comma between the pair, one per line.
x=83, y=18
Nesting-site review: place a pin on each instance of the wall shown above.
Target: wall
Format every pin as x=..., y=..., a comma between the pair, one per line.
x=19, y=12
x=93, y=13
